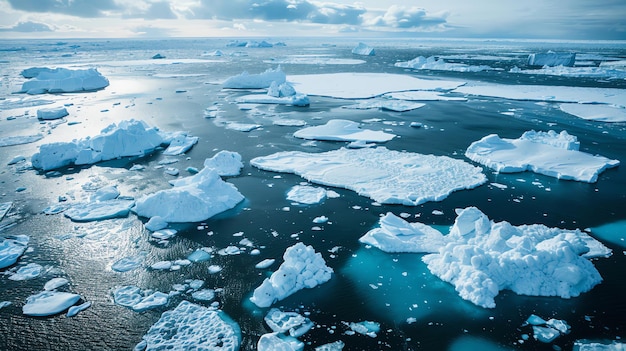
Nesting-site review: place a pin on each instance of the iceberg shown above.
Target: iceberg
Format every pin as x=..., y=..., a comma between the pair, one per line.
x=342, y=130
x=11, y=249
x=365, y=85
x=128, y=138
x=552, y=58
x=547, y=153
x=483, y=257
x=52, y=113
x=99, y=210
x=302, y=268
x=433, y=63
x=594, y=112
x=386, y=176
x=225, y=163
x=192, y=199
x=364, y=50
x=181, y=142
x=47, y=303
x=191, y=326
x=395, y=234
x=62, y=80
x=255, y=81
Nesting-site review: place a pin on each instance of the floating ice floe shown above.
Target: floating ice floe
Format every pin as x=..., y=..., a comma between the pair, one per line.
x=55, y=283
x=482, y=257
x=433, y=63
x=595, y=112
x=47, y=303
x=255, y=81
x=315, y=59
x=156, y=223
x=52, y=113
x=62, y=80
x=364, y=50
x=128, y=138
x=547, y=331
x=588, y=345
x=386, y=104
x=191, y=326
x=180, y=143
x=292, y=322
x=548, y=153
x=365, y=85
x=18, y=140
x=302, y=268
x=342, y=130
x=588, y=72
x=394, y=234
x=423, y=96
x=139, y=300
x=306, y=194
x=333, y=346
x=225, y=163
x=277, y=93
x=266, y=263
x=192, y=199
x=289, y=122
x=277, y=341
x=99, y=210
x=242, y=127
x=74, y=310
x=30, y=271
x=386, y=176
x=11, y=248
x=368, y=328
x=552, y=58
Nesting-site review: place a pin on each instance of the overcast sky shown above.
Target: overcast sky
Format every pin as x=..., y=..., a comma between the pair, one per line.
x=532, y=19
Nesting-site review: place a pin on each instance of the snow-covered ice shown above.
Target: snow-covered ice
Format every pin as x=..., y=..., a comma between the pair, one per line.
x=342, y=130
x=99, y=210
x=47, y=303
x=55, y=283
x=364, y=50
x=433, y=63
x=191, y=326
x=19, y=139
x=266, y=263
x=137, y=299
x=292, y=322
x=180, y=143
x=386, y=176
x=595, y=112
x=365, y=85
x=549, y=153
x=277, y=93
x=302, y=268
x=192, y=199
x=52, y=113
x=333, y=346
x=552, y=58
x=29, y=271
x=255, y=81
x=62, y=80
x=225, y=163
x=395, y=234
x=306, y=194
x=11, y=248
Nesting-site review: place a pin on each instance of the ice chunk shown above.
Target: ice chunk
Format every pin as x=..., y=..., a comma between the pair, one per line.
x=17, y=140
x=204, y=295
x=191, y=326
x=99, y=210
x=52, y=113
x=30, y=271
x=55, y=283
x=292, y=322
x=551, y=58
x=364, y=50
x=595, y=112
x=364, y=85
x=192, y=199
x=387, y=104
x=47, y=303
x=225, y=163
x=586, y=345
x=484, y=257
x=255, y=81
x=74, y=310
x=156, y=223
x=199, y=256
x=62, y=80
x=293, y=100
x=302, y=268
x=546, y=153
x=11, y=249
x=368, y=328
x=4, y=304
x=281, y=90
x=276, y=341
x=342, y=130
x=105, y=193
x=433, y=63
x=138, y=300
x=306, y=194
x=333, y=346
x=266, y=263
x=397, y=235
x=164, y=234
x=386, y=176
x=181, y=142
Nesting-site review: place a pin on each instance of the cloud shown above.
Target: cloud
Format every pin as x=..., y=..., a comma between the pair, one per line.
x=403, y=17
x=152, y=32
x=28, y=27
x=150, y=11
x=81, y=8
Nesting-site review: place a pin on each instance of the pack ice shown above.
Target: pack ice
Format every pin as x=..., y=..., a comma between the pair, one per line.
x=549, y=153
x=302, y=268
x=481, y=257
x=62, y=80
x=386, y=176
x=435, y=64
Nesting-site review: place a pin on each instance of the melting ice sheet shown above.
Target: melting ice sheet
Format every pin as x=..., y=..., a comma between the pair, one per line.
x=594, y=112
x=386, y=176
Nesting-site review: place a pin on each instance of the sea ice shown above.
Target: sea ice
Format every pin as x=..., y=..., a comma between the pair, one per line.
x=424, y=96
x=266, y=263
x=192, y=199
x=302, y=268
x=18, y=140
x=306, y=194
x=342, y=130
x=292, y=322
x=483, y=257
x=199, y=256
x=156, y=223
x=432, y=63
x=139, y=300
x=386, y=104
x=55, y=283
x=11, y=248
x=549, y=153
x=99, y=210
x=395, y=234
x=294, y=100
x=225, y=163
x=552, y=58
x=364, y=50
x=62, y=80
x=30, y=271
x=595, y=112
x=587, y=345
x=74, y=310
x=333, y=346
x=47, y=303
x=129, y=263
x=578, y=72
x=52, y=113
x=386, y=176
x=191, y=326
x=368, y=328
x=365, y=85
x=180, y=143
x=255, y=81
x=279, y=342
x=203, y=295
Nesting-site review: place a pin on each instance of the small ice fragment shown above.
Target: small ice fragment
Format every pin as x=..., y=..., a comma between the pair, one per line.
x=55, y=283
x=320, y=219
x=214, y=269
x=30, y=271
x=74, y=310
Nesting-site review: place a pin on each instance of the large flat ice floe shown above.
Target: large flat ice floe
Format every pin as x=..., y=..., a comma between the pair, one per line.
x=342, y=130
x=435, y=64
x=364, y=85
x=302, y=268
x=481, y=257
x=255, y=81
x=595, y=112
x=192, y=199
x=386, y=176
x=549, y=153
x=62, y=80
x=190, y=326
x=47, y=303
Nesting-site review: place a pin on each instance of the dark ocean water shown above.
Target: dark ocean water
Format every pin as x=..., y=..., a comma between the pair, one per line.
x=173, y=96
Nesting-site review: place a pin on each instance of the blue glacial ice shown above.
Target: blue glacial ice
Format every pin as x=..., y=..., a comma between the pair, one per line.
x=225, y=163
x=363, y=50
x=292, y=322
x=62, y=80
